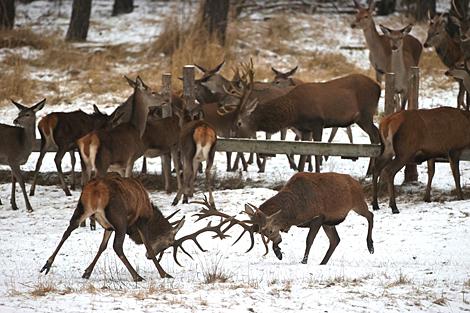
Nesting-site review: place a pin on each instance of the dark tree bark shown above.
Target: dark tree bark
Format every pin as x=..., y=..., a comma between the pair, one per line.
x=7, y=14
x=215, y=16
x=123, y=7
x=80, y=20
x=419, y=8
x=462, y=14
x=385, y=7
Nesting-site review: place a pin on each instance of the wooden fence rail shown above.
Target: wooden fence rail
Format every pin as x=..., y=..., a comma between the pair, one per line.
x=345, y=150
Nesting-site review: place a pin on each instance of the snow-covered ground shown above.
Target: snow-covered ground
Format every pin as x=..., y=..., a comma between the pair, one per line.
x=421, y=260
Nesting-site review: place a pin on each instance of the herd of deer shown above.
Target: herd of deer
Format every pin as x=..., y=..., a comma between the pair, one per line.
x=239, y=108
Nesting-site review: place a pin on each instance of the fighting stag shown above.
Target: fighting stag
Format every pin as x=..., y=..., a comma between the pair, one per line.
x=311, y=200
x=122, y=205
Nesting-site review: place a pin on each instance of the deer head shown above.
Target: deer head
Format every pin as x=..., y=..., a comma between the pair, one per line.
x=364, y=16
x=436, y=31
x=283, y=80
x=396, y=36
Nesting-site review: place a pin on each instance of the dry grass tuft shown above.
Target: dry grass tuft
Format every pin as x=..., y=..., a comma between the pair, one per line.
x=43, y=288
x=23, y=37
x=15, y=81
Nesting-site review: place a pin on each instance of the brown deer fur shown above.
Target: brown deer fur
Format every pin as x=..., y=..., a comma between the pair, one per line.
x=421, y=135
x=63, y=129
x=310, y=107
x=121, y=205
x=312, y=200
x=16, y=144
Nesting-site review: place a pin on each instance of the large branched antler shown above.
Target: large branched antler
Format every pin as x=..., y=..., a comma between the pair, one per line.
x=211, y=211
x=178, y=243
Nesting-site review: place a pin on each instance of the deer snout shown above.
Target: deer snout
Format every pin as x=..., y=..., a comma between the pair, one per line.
x=464, y=38
x=394, y=48
x=353, y=25
x=426, y=45
x=448, y=73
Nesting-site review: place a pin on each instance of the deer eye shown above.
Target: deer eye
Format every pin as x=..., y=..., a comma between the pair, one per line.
x=239, y=124
x=366, y=16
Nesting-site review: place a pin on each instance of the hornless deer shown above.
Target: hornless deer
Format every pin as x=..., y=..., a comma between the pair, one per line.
x=311, y=200
x=421, y=135
x=207, y=83
x=399, y=63
x=379, y=45
x=123, y=205
x=283, y=80
x=197, y=144
x=447, y=49
x=62, y=130
x=118, y=148
x=16, y=144
x=310, y=107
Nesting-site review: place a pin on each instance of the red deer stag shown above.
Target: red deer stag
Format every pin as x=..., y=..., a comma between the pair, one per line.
x=123, y=205
x=197, y=144
x=414, y=136
x=379, y=45
x=283, y=80
x=310, y=107
x=463, y=23
x=118, y=148
x=62, y=130
x=447, y=49
x=399, y=63
x=16, y=144
x=311, y=200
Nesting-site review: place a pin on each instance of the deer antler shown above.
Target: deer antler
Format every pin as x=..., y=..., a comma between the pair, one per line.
x=456, y=10
x=211, y=211
x=178, y=243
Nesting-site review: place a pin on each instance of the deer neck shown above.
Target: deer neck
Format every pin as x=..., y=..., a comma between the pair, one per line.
x=373, y=40
x=448, y=51
x=139, y=112
x=275, y=115
x=397, y=66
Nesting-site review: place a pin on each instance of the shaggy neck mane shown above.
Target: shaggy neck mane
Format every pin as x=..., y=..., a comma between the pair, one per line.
x=275, y=114
x=158, y=225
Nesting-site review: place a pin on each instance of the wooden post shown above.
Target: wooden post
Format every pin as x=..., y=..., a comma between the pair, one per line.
x=411, y=171
x=166, y=92
x=389, y=93
x=188, y=86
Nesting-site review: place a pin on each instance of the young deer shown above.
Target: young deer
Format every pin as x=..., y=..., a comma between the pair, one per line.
x=399, y=63
x=447, y=49
x=63, y=129
x=379, y=45
x=16, y=144
x=123, y=205
x=118, y=148
x=311, y=200
x=414, y=136
x=197, y=144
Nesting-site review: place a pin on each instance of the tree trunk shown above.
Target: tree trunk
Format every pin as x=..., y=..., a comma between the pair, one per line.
x=462, y=7
x=215, y=16
x=123, y=7
x=7, y=14
x=80, y=20
x=386, y=7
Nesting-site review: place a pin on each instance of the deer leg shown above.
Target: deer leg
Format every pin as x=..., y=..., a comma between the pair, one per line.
x=13, y=192
x=363, y=210
x=187, y=172
x=86, y=171
x=467, y=107
x=77, y=217
x=431, y=170
x=283, y=133
x=166, y=169
x=103, y=245
x=58, y=163
x=262, y=165
x=404, y=100
x=229, y=162
x=454, y=158
x=334, y=130
x=144, y=166
x=332, y=235
x=176, y=164
x=244, y=163
x=381, y=162
x=16, y=173
x=117, y=246
x=378, y=77
x=73, y=161
x=366, y=123
x=390, y=171
x=314, y=227
x=461, y=96
x=196, y=166
x=277, y=250
x=42, y=153
x=208, y=177
x=143, y=231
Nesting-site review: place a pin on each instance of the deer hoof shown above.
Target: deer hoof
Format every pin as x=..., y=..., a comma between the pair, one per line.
x=138, y=278
x=31, y=193
x=175, y=202
x=86, y=275
x=278, y=253
x=67, y=193
x=395, y=210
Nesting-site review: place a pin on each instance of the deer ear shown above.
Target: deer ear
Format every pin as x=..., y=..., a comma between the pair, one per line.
x=407, y=29
x=218, y=67
x=249, y=210
x=250, y=107
x=140, y=84
x=385, y=30
x=357, y=4
x=131, y=82
x=96, y=110
x=372, y=6
x=39, y=105
x=455, y=20
x=292, y=72
x=18, y=105
x=276, y=71
x=200, y=68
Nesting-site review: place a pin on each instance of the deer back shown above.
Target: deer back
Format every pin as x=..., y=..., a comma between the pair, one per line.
x=426, y=134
